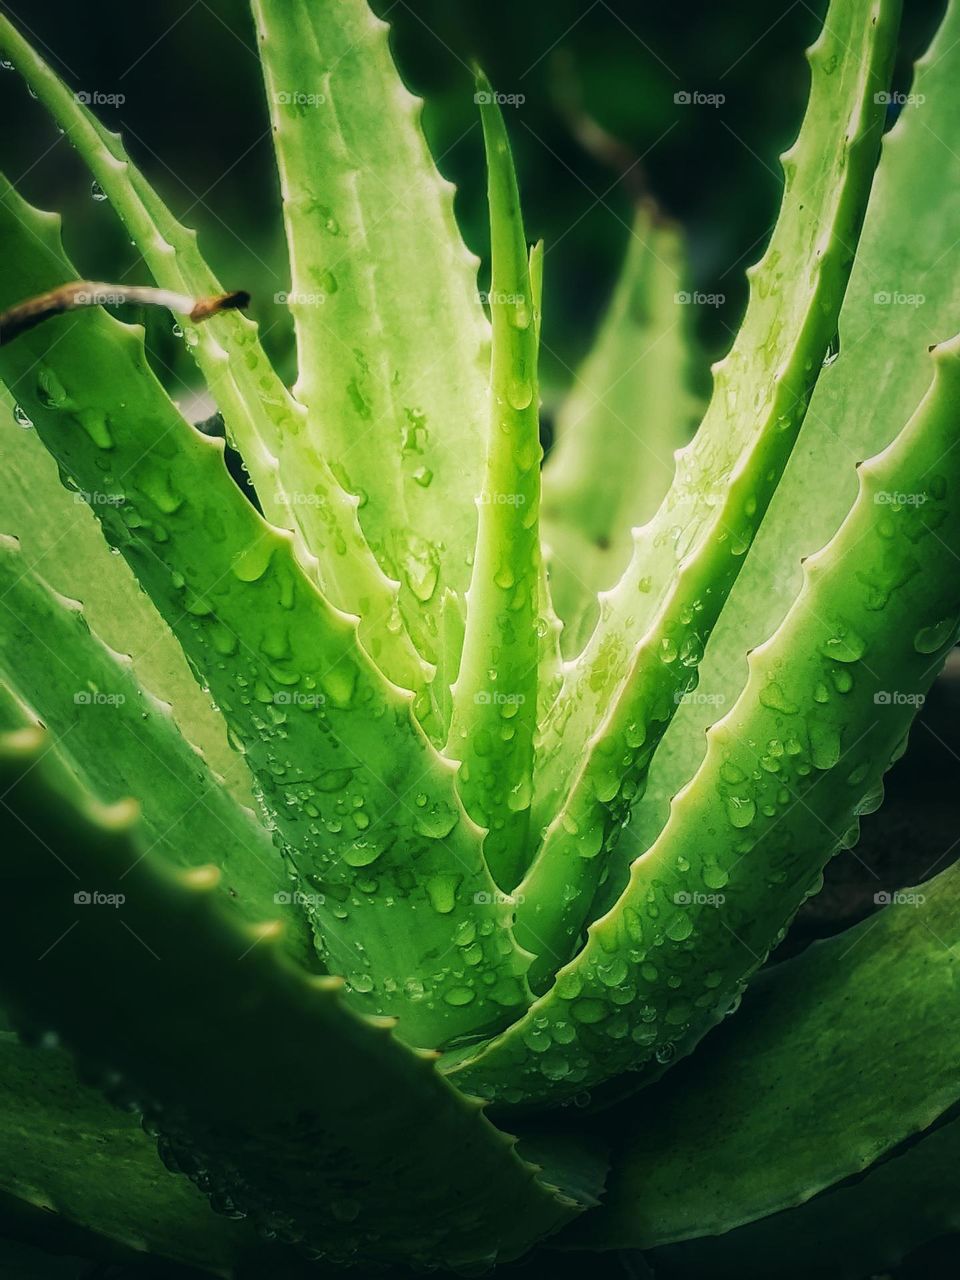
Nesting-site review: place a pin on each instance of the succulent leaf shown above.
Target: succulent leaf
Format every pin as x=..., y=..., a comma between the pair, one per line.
x=192, y=1015
x=863, y=1228
x=828, y=701
x=293, y=480
x=621, y=693
x=393, y=364
x=65, y=1150
x=495, y=695
x=617, y=429
x=60, y=537
x=118, y=738
x=858, y=1037
x=359, y=800
x=899, y=302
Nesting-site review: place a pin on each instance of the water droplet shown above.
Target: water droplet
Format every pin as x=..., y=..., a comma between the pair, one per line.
x=97, y=192
x=21, y=418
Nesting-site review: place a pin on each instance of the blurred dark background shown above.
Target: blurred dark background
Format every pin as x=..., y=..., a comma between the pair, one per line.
x=194, y=116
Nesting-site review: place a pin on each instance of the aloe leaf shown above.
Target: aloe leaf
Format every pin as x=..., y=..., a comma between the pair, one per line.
x=621, y=694
x=344, y=791
x=856, y=1039
x=495, y=694
x=801, y=753
x=898, y=291
x=863, y=1229
x=293, y=481
x=60, y=536
x=190, y=1013
x=119, y=738
x=393, y=364
x=65, y=1151
x=626, y=413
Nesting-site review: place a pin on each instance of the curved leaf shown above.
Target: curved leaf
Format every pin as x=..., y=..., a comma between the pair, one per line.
x=619, y=426
x=834, y=1059
x=295, y=485
x=900, y=291
x=621, y=694
x=120, y=739
x=799, y=756
x=267, y=1089
x=495, y=693
x=358, y=799
x=393, y=361
x=863, y=1229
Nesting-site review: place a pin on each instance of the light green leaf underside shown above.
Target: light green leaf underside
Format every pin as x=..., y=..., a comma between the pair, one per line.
x=882, y=364
x=66, y=1152
x=787, y=771
x=391, y=866
x=627, y=412
x=864, y=1229
x=293, y=481
x=495, y=694
x=122, y=741
x=59, y=536
x=393, y=362
x=621, y=694
x=265, y=1086
x=858, y=1039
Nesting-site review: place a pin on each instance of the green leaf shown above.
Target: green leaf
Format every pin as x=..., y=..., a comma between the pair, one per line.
x=621, y=694
x=617, y=429
x=267, y=1089
x=293, y=481
x=882, y=364
x=121, y=740
x=862, y=1229
x=834, y=1059
x=60, y=536
x=393, y=364
x=77, y=1161
x=359, y=799
x=787, y=771
x=495, y=694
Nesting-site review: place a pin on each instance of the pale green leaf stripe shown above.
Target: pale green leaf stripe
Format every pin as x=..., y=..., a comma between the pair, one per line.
x=293, y=480
x=258, y=1077
x=629, y=409
x=901, y=300
x=59, y=536
x=857, y=1038
x=787, y=772
x=495, y=695
x=393, y=364
x=619, y=697
x=356, y=797
x=122, y=741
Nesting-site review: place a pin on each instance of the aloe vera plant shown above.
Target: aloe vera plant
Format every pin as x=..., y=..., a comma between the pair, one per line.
x=354, y=833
